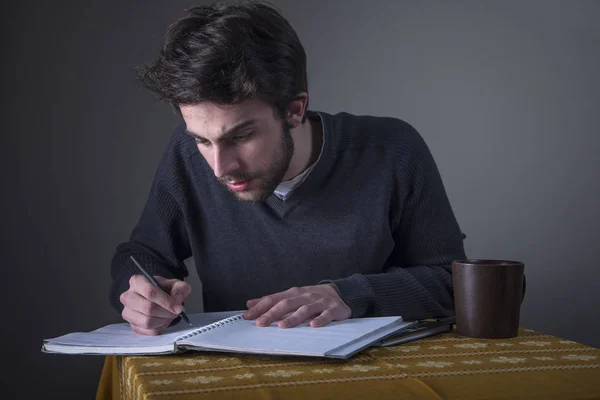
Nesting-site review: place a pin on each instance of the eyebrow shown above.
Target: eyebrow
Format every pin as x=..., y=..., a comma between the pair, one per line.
x=229, y=132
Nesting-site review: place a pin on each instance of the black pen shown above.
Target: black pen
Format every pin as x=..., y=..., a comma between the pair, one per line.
x=155, y=283
x=419, y=330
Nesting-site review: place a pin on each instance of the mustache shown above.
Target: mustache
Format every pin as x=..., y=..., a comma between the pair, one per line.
x=241, y=177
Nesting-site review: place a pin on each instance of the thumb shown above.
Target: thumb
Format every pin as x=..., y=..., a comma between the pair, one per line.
x=178, y=289
x=181, y=290
x=178, y=296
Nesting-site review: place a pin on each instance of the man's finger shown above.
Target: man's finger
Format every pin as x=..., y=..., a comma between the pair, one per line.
x=302, y=314
x=140, y=304
x=147, y=332
x=168, y=285
x=280, y=309
x=265, y=303
x=144, y=321
x=154, y=294
x=325, y=318
x=252, y=303
x=180, y=291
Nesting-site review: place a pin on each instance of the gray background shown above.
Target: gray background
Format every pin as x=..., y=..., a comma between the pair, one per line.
x=506, y=94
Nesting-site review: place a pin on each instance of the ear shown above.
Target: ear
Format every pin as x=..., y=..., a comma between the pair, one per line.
x=297, y=109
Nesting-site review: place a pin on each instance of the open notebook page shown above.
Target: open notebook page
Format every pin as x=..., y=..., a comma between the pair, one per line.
x=301, y=340
x=120, y=338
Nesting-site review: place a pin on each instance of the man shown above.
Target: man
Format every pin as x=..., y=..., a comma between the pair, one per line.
x=293, y=214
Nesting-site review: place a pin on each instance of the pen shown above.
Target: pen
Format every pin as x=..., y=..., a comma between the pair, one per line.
x=419, y=331
x=155, y=283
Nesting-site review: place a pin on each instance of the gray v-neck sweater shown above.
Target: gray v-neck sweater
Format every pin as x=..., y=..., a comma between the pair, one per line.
x=372, y=217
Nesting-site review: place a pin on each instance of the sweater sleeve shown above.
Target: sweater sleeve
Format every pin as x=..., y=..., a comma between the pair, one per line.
x=416, y=281
x=159, y=241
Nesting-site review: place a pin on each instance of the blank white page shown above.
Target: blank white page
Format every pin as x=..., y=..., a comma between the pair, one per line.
x=121, y=336
x=244, y=335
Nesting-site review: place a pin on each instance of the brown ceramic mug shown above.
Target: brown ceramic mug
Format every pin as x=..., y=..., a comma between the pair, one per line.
x=487, y=297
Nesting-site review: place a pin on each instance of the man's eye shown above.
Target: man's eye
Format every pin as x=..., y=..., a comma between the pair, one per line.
x=243, y=137
x=203, y=142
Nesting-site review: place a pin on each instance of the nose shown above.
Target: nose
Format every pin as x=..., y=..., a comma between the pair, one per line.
x=225, y=161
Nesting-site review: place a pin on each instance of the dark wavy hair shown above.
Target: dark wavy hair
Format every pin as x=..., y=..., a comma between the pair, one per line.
x=228, y=53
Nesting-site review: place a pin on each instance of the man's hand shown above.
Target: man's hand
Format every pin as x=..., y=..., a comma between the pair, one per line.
x=320, y=304
x=147, y=308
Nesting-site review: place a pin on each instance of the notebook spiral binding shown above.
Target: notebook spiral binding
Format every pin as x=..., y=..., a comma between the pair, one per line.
x=212, y=326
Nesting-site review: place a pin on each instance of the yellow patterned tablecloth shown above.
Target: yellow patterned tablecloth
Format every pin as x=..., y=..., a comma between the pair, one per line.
x=447, y=366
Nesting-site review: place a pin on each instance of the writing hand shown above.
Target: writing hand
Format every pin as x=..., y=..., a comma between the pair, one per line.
x=147, y=308
x=321, y=304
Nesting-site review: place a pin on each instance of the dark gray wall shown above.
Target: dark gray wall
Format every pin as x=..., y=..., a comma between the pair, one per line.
x=505, y=93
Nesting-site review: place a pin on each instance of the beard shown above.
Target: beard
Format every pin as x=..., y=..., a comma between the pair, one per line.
x=269, y=179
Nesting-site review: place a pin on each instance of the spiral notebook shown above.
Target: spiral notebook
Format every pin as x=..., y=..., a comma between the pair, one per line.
x=229, y=332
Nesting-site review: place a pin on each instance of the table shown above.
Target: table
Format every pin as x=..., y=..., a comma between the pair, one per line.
x=447, y=366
